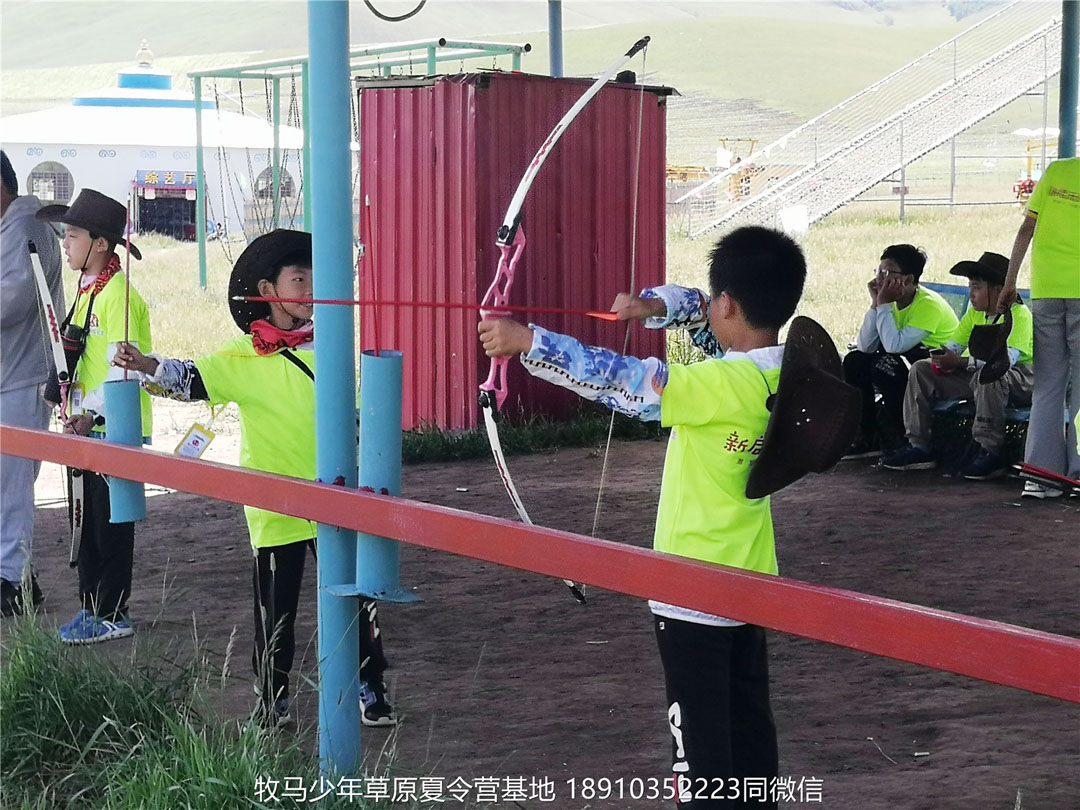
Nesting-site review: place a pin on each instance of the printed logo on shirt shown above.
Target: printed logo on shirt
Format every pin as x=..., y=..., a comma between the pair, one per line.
x=1065, y=194
x=740, y=444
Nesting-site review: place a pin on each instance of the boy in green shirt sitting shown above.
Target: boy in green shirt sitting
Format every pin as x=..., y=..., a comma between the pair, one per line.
x=716, y=668
x=903, y=323
x=952, y=373
x=269, y=372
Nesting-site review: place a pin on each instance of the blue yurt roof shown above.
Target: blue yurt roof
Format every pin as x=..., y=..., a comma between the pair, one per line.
x=143, y=110
x=140, y=87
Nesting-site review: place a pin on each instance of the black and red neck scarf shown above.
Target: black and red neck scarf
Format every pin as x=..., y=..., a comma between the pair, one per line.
x=267, y=338
x=97, y=283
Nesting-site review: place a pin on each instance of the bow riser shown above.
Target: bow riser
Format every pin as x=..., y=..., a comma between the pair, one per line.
x=497, y=295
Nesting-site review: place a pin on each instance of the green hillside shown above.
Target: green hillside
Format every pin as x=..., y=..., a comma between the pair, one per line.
x=742, y=69
x=793, y=59
x=794, y=65
x=54, y=33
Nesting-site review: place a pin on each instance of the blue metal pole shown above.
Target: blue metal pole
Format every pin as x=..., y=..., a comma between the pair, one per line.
x=200, y=187
x=555, y=37
x=123, y=425
x=335, y=378
x=377, y=558
x=1070, y=58
x=276, y=163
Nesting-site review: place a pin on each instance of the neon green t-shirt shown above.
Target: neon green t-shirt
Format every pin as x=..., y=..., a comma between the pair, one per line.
x=277, y=424
x=931, y=313
x=107, y=327
x=1020, y=337
x=717, y=413
x=1055, y=248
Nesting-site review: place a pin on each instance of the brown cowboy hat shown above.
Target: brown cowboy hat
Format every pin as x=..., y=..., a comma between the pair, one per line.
x=253, y=266
x=989, y=342
x=990, y=267
x=814, y=413
x=102, y=216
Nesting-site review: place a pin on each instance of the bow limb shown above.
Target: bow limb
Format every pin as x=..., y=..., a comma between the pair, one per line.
x=52, y=324
x=513, y=212
x=63, y=375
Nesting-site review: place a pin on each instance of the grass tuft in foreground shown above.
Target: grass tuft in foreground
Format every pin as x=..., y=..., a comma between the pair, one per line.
x=82, y=729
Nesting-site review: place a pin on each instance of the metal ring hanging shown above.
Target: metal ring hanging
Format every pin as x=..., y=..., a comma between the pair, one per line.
x=388, y=18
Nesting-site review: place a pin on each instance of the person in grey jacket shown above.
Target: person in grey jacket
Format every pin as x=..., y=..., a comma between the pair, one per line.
x=25, y=364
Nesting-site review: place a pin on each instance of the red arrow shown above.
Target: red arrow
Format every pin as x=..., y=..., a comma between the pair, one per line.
x=603, y=316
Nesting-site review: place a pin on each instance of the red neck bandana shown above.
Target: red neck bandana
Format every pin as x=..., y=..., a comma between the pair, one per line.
x=97, y=283
x=267, y=338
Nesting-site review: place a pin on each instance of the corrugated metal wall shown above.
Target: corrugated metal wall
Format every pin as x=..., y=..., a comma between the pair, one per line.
x=440, y=162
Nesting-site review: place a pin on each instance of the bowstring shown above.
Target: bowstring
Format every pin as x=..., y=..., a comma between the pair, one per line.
x=633, y=287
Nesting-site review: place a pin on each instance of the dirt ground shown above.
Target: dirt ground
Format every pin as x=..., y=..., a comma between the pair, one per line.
x=501, y=673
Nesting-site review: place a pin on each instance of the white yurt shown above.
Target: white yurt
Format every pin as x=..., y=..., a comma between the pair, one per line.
x=139, y=138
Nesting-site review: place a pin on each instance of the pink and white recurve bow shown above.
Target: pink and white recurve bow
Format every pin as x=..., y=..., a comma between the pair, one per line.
x=511, y=243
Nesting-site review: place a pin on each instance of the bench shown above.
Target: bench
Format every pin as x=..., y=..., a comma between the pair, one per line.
x=957, y=297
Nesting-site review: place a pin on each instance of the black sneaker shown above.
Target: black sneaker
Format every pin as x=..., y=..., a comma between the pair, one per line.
x=10, y=598
x=375, y=709
x=279, y=715
x=986, y=465
x=275, y=716
x=909, y=458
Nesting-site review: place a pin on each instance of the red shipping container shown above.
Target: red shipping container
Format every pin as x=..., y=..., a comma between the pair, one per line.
x=440, y=159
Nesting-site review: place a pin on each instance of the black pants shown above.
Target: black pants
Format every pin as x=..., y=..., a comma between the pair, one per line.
x=277, y=575
x=106, y=551
x=717, y=681
x=887, y=375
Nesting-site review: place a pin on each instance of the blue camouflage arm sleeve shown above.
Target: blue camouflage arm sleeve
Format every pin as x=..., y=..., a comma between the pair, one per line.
x=176, y=379
x=687, y=308
x=628, y=385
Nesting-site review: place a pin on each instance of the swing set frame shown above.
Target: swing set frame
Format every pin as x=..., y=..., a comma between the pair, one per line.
x=380, y=58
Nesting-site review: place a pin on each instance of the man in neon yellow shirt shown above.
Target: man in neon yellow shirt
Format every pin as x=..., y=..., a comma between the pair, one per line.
x=94, y=326
x=903, y=323
x=1052, y=226
x=715, y=668
x=269, y=372
x=952, y=373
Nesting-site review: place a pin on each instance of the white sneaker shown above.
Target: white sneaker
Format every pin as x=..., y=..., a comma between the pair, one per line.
x=1035, y=490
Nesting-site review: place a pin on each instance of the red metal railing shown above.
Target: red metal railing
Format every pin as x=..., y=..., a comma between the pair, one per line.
x=1027, y=659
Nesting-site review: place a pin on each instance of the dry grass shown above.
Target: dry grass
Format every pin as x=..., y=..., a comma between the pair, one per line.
x=843, y=250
